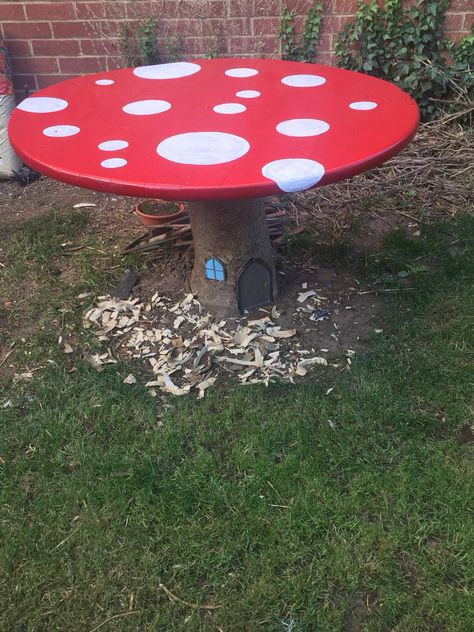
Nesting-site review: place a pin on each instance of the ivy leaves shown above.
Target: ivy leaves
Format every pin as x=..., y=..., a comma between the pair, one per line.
x=303, y=49
x=407, y=46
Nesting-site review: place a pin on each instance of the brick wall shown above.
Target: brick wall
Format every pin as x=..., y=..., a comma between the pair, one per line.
x=50, y=41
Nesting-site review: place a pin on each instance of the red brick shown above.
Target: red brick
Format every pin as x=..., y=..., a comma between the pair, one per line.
x=34, y=65
x=143, y=9
x=50, y=11
x=256, y=8
x=241, y=45
x=20, y=81
x=72, y=30
x=193, y=9
x=266, y=45
x=10, y=11
x=44, y=81
x=456, y=36
x=203, y=46
x=454, y=22
x=336, y=23
x=98, y=47
x=460, y=5
x=266, y=25
x=344, y=7
x=325, y=42
x=82, y=65
x=468, y=21
x=90, y=10
x=26, y=30
x=55, y=48
x=116, y=10
x=203, y=28
x=114, y=62
x=326, y=58
x=19, y=48
x=299, y=7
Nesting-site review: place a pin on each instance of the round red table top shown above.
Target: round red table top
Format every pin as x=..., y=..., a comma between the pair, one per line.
x=212, y=129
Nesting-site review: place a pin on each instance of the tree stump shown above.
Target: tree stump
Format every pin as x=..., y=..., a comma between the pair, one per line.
x=231, y=242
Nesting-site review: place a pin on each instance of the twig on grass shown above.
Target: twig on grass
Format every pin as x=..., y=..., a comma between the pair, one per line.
x=389, y=290
x=195, y=606
x=65, y=540
x=8, y=354
x=115, y=616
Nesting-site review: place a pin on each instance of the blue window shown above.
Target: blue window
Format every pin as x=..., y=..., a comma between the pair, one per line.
x=215, y=270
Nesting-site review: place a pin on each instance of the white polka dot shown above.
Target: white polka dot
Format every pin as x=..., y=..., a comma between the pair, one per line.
x=104, y=82
x=61, y=130
x=303, y=81
x=40, y=105
x=113, y=163
x=229, y=108
x=113, y=145
x=241, y=72
x=167, y=71
x=150, y=106
x=363, y=105
x=203, y=148
x=248, y=94
x=302, y=127
x=294, y=174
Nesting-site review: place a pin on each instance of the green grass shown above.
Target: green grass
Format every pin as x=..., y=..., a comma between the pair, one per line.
x=288, y=508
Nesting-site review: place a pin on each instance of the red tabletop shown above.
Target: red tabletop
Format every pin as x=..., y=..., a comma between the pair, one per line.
x=212, y=129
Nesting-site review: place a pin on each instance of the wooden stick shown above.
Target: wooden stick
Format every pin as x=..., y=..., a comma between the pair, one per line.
x=115, y=616
x=6, y=357
x=195, y=606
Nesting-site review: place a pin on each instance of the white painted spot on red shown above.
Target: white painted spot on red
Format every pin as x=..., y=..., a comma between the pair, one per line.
x=203, y=148
x=229, y=108
x=303, y=81
x=113, y=145
x=149, y=106
x=104, y=82
x=363, y=105
x=42, y=105
x=302, y=127
x=174, y=70
x=58, y=131
x=113, y=163
x=241, y=72
x=294, y=174
x=248, y=94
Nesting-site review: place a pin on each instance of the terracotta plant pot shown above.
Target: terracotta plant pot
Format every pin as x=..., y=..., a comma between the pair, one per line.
x=157, y=212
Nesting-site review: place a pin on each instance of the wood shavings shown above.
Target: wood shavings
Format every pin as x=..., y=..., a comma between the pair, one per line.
x=277, y=332
x=130, y=379
x=303, y=296
x=170, y=387
x=256, y=351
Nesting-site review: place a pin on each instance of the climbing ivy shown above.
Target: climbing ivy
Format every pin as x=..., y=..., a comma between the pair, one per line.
x=138, y=43
x=304, y=47
x=406, y=45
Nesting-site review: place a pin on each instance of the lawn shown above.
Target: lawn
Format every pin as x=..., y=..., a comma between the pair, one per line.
x=287, y=508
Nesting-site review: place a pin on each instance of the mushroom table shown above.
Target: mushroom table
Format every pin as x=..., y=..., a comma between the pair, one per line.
x=221, y=134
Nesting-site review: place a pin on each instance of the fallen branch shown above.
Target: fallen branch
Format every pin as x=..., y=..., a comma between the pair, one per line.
x=115, y=616
x=195, y=606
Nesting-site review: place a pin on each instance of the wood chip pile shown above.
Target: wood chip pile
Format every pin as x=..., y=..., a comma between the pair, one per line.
x=186, y=350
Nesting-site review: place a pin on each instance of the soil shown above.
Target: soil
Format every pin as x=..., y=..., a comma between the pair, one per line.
x=347, y=316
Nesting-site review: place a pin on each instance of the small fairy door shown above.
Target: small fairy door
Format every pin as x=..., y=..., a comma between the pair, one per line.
x=254, y=285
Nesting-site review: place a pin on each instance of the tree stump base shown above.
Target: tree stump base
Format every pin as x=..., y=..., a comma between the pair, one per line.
x=234, y=270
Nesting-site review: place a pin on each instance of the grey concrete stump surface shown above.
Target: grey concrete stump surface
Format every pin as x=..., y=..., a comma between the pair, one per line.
x=235, y=233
